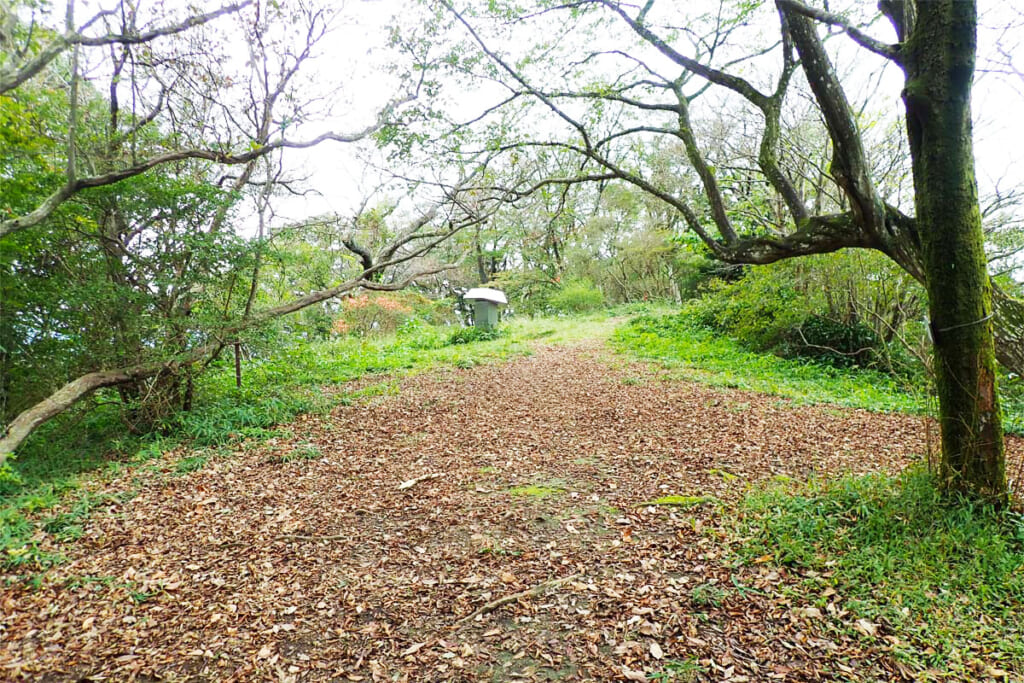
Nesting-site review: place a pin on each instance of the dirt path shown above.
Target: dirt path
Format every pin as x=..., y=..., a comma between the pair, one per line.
x=311, y=562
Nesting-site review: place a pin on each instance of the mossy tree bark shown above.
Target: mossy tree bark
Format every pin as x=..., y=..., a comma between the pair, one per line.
x=938, y=59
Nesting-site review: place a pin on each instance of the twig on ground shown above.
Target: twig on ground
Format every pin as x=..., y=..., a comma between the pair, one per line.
x=500, y=602
x=408, y=484
x=303, y=537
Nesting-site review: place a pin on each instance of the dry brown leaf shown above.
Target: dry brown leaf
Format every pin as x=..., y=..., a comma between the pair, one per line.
x=412, y=649
x=867, y=627
x=376, y=563
x=633, y=675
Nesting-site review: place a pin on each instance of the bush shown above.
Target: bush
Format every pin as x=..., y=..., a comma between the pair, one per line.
x=759, y=312
x=468, y=335
x=823, y=309
x=384, y=313
x=835, y=343
x=577, y=297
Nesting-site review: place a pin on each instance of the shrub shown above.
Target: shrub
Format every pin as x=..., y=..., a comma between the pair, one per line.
x=759, y=312
x=370, y=313
x=835, y=343
x=385, y=313
x=577, y=297
x=468, y=335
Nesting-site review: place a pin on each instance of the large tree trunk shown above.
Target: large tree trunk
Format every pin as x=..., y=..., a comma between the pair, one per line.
x=938, y=59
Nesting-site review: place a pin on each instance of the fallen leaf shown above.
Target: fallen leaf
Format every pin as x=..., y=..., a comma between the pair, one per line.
x=633, y=675
x=866, y=627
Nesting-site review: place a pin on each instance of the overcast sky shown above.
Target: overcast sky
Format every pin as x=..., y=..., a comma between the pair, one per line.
x=352, y=65
x=998, y=102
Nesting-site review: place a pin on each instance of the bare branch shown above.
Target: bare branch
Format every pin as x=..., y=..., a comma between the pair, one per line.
x=734, y=83
x=516, y=75
x=75, y=185
x=11, y=78
x=891, y=52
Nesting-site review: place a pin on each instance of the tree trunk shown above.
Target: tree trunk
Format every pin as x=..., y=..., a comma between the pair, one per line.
x=238, y=365
x=938, y=60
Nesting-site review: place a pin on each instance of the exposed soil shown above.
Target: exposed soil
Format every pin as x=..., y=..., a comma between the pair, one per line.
x=286, y=563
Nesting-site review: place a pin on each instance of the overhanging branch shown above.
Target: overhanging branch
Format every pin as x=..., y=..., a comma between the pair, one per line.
x=75, y=185
x=891, y=52
x=11, y=78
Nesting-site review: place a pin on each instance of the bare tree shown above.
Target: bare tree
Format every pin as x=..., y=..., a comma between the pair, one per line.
x=247, y=130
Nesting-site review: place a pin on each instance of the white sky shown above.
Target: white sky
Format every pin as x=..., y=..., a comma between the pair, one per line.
x=353, y=57
x=998, y=107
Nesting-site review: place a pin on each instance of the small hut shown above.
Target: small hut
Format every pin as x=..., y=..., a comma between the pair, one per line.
x=485, y=306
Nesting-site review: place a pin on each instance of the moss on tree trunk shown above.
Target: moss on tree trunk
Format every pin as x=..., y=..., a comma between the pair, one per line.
x=939, y=63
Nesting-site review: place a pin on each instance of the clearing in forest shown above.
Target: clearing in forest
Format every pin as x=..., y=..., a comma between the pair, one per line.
x=481, y=524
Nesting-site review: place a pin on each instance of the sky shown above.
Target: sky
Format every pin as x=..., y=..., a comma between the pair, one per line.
x=998, y=102
x=349, y=68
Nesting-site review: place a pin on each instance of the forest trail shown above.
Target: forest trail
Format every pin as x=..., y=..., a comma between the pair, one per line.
x=313, y=557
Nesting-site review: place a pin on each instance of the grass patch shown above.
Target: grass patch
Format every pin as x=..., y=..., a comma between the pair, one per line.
x=945, y=578
x=471, y=335
x=22, y=526
x=536, y=491
x=679, y=671
x=302, y=452
x=679, y=501
x=192, y=463
x=708, y=595
x=696, y=354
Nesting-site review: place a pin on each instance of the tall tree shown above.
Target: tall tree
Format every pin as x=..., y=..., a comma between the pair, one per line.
x=610, y=97
x=937, y=52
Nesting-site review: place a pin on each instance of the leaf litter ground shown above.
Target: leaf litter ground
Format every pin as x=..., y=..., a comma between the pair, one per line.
x=483, y=524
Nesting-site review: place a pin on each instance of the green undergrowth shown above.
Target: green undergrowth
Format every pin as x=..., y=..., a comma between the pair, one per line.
x=1011, y=394
x=697, y=354
x=678, y=501
x=939, y=582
